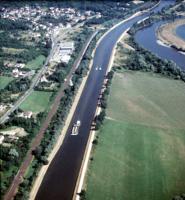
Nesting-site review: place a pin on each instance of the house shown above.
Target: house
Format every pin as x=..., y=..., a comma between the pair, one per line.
x=8, y=64
x=65, y=58
x=19, y=65
x=67, y=46
x=1, y=139
x=68, y=25
x=2, y=107
x=26, y=114
x=64, y=52
x=43, y=79
x=15, y=73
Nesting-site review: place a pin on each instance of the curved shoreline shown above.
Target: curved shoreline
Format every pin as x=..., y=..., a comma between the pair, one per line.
x=167, y=36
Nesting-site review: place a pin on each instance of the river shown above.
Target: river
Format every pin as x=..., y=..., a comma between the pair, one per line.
x=60, y=179
x=147, y=38
x=180, y=31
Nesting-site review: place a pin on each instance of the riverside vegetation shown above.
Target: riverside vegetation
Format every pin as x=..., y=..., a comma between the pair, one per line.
x=142, y=59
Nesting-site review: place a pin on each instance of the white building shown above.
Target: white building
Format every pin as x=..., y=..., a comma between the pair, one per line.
x=65, y=58
x=43, y=79
x=19, y=65
x=15, y=73
x=26, y=114
x=64, y=52
x=67, y=46
x=2, y=107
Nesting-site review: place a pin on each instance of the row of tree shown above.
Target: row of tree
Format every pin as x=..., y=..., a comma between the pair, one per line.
x=16, y=86
x=99, y=119
x=179, y=197
x=9, y=24
x=12, y=157
x=142, y=59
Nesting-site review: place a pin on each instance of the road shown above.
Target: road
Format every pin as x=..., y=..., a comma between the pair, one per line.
x=35, y=81
x=28, y=159
x=60, y=179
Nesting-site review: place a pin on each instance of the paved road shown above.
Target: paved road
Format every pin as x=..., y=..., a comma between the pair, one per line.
x=36, y=78
x=60, y=179
x=18, y=178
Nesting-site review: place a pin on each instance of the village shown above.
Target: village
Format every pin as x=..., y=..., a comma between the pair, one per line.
x=40, y=17
x=40, y=20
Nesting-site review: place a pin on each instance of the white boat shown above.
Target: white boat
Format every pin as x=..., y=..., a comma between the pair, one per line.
x=76, y=126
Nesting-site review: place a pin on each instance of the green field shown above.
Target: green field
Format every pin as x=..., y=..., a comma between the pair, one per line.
x=38, y=101
x=36, y=63
x=4, y=80
x=141, y=149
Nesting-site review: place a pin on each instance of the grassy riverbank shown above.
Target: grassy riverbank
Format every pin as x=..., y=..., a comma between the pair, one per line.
x=141, y=146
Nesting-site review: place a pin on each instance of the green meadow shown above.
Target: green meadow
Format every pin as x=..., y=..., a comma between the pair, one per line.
x=38, y=101
x=36, y=63
x=4, y=80
x=141, y=147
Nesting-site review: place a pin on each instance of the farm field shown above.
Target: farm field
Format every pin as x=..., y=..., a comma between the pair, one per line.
x=141, y=147
x=38, y=101
x=36, y=63
x=4, y=80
